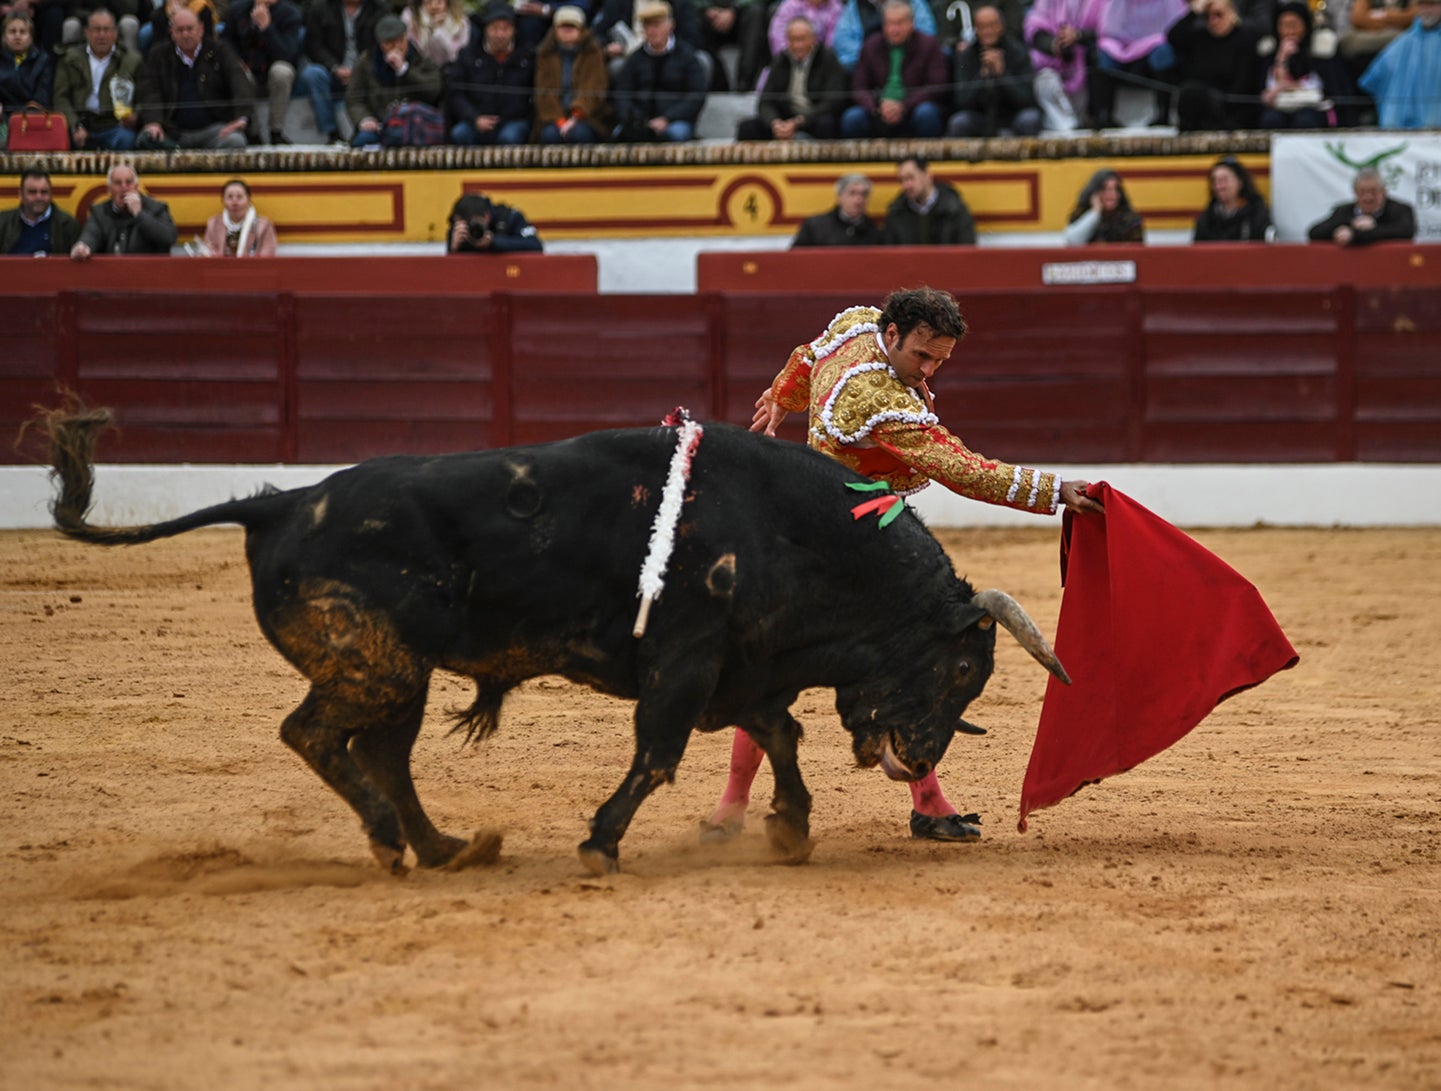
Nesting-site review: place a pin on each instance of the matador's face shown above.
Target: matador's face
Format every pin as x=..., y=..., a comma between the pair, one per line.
x=917, y=356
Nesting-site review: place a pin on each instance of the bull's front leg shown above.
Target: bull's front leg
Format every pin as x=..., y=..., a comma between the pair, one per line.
x=662, y=731
x=788, y=826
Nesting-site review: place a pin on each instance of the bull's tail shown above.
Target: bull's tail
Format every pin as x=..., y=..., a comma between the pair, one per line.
x=72, y=431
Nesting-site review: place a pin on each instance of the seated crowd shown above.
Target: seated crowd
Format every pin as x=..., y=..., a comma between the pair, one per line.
x=192, y=73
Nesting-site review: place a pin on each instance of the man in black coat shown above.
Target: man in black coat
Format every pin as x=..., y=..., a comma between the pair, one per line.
x=805, y=91
x=337, y=34
x=200, y=101
x=845, y=225
x=1372, y=217
x=995, y=83
x=36, y=226
x=267, y=35
x=661, y=88
x=491, y=83
x=128, y=223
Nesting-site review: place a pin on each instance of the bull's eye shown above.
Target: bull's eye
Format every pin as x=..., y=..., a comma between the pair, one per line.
x=963, y=667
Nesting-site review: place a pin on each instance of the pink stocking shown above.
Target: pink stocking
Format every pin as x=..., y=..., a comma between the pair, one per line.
x=746, y=759
x=927, y=797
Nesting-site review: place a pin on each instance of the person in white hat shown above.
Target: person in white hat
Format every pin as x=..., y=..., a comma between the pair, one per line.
x=572, y=88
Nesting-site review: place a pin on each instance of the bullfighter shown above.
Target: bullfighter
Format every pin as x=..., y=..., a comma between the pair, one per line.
x=863, y=383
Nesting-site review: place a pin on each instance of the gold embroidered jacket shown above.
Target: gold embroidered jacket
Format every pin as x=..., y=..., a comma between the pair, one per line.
x=862, y=415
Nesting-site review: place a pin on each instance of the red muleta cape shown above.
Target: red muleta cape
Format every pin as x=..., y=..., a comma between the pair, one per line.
x=1155, y=631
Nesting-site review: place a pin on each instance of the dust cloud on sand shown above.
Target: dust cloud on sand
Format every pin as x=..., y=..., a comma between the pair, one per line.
x=183, y=904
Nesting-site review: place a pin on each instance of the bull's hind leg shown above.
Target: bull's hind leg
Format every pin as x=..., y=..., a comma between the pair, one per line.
x=788, y=826
x=383, y=752
x=318, y=731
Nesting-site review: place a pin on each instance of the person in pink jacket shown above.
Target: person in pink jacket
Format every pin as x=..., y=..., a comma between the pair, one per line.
x=238, y=231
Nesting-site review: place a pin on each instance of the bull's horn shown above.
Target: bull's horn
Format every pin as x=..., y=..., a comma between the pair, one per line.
x=1009, y=613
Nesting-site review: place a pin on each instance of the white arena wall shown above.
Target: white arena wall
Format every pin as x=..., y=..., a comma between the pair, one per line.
x=1325, y=495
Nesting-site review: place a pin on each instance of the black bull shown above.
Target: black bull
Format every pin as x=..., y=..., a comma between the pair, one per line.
x=504, y=565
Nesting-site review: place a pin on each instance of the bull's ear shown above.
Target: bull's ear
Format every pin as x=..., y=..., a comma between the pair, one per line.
x=967, y=615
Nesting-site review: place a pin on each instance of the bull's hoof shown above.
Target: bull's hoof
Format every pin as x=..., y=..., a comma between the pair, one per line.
x=947, y=827
x=791, y=844
x=390, y=858
x=597, y=861
x=718, y=833
x=482, y=850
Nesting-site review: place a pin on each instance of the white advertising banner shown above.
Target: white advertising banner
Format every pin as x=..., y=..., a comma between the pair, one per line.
x=1312, y=173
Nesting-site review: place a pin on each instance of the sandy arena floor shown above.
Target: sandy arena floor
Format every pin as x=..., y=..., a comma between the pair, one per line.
x=184, y=905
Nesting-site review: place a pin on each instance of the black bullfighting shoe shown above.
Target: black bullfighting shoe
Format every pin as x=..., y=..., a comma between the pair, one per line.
x=948, y=827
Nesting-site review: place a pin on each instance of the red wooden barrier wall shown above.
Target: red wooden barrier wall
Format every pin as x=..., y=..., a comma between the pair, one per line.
x=1112, y=373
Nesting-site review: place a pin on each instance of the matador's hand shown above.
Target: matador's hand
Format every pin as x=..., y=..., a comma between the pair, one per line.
x=768, y=415
x=1073, y=496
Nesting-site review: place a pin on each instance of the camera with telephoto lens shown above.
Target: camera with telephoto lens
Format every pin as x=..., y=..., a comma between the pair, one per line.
x=477, y=227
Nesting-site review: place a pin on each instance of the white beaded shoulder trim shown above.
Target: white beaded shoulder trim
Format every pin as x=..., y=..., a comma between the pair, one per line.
x=821, y=347
x=920, y=416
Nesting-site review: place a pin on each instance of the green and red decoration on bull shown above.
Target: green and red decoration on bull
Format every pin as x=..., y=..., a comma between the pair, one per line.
x=889, y=505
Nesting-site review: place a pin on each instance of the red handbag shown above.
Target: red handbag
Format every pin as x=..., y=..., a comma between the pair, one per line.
x=35, y=129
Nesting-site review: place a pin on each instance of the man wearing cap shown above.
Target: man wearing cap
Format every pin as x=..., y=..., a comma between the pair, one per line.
x=662, y=85
x=491, y=83
x=571, y=85
x=388, y=74
x=864, y=382
x=479, y=225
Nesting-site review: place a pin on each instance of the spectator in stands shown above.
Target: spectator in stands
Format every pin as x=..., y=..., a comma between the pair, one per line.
x=27, y=72
x=995, y=83
x=440, y=29
x=95, y=88
x=618, y=30
x=36, y=227
x=194, y=91
x=157, y=28
x=1405, y=80
x=1372, y=26
x=861, y=20
x=572, y=104
x=845, y=225
x=662, y=86
x=927, y=212
x=1216, y=60
x=338, y=33
x=1300, y=80
x=479, y=225
x=491, y=84
x=1062, y=36
x=738, y=23
x=900, y=84
x=238, y=231
x=823, y=16
x=267, y=36
x=1237, y=212
x=1372, y=217
x=1132, y=48
x=389, y=74
x=804, y=92
x=1103, y=213
x=72, y=15
x=128, y=223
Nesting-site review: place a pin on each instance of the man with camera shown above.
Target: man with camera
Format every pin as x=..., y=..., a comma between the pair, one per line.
x=479, y=225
